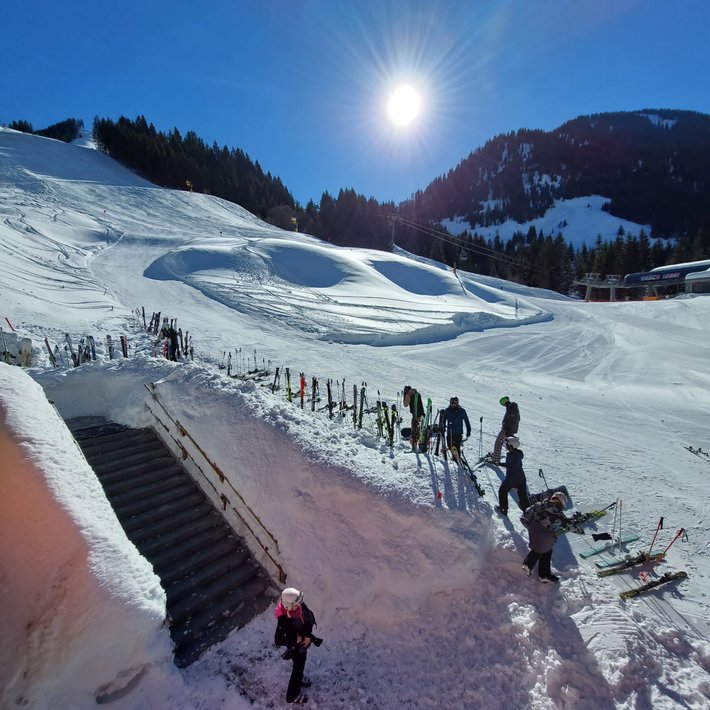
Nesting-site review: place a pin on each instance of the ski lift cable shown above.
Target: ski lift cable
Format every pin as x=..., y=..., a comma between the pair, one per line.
x=449, y=239
x=484, y=251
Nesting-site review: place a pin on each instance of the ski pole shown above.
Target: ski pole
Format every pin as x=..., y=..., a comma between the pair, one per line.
x=480, y=439
x=618, y=540
x=617, y=512
x=682, y=534
x=659, y=527
x=542, y=475
x=643, y=575
x=611, y=505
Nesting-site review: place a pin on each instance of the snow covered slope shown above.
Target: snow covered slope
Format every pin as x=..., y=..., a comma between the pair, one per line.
x=580, y=219
x=415, y=582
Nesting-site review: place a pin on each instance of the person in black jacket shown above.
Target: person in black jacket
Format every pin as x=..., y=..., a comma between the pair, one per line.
x=509, y=427
x=455, y=418
x=294, y=629
x=514, y=477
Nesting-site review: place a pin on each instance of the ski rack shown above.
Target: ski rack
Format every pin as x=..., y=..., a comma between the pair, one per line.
x=216, y=491
x=388, y=416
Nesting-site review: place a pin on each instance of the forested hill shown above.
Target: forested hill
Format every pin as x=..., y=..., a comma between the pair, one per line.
x=188, y=163
x=653, y=164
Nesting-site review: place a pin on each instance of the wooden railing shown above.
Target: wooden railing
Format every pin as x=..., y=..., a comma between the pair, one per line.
x=222, y=488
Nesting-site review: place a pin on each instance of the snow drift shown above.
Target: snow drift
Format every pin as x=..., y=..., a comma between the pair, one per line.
x=75, y=627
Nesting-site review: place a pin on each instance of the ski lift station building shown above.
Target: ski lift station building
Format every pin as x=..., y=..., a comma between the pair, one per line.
x=691, y=277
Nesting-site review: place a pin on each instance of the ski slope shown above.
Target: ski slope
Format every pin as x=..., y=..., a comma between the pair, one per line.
x=414, y=580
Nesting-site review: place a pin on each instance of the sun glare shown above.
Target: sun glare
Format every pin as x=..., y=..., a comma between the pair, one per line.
x=403, y=106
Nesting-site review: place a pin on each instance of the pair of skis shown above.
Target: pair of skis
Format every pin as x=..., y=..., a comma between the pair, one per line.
x=579, y=518
x=425, y=429
x=644, y=558
x=387, y=418
x=459, y=457
x=664, y=579
x=419, y=434
x=615, y=539
x=609, y=545
x=614, y=566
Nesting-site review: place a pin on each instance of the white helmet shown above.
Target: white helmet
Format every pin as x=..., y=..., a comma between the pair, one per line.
x=291, y=598
x=559, y=498
x=512, y=441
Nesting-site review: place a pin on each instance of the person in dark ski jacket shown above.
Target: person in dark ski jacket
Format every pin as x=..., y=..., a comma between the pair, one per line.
x=173, y=348
x=509, y=426
x=543, y=520
x=455, y=418
x=294, y=629
x=413, y=400
x=514, y=477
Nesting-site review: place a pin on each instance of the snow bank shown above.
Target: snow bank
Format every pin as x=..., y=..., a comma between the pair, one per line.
x=82, y=610
x=379, y=557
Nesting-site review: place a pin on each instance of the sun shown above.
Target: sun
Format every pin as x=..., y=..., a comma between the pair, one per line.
x=403, y=105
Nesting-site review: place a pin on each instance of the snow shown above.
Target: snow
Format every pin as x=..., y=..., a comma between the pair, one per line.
x=415, y=582
x=656, y=120
x=579, y=219
x=71, y=624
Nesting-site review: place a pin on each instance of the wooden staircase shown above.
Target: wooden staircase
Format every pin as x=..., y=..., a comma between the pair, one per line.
x=212, y=582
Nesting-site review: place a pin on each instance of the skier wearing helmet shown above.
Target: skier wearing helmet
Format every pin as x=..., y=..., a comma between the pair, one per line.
x=514, y=477
x=509, y=427
x=294, y=629
x=542, y=520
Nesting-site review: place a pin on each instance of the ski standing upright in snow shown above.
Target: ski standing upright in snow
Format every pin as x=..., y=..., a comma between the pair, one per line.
x=52, y=359
x=74, y=356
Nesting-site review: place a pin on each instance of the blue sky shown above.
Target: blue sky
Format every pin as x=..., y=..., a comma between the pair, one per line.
x=301, y=85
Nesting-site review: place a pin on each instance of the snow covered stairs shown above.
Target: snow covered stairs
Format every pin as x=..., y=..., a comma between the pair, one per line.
x=212, y=583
